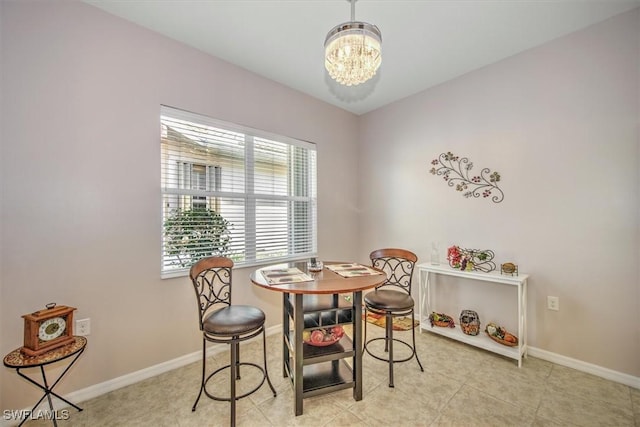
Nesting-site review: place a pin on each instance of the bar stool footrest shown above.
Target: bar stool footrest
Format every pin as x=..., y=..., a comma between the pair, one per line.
x=413, y=351
x=228, y=399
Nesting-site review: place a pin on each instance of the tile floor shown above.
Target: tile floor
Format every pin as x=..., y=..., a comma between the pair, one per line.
x=460, y=386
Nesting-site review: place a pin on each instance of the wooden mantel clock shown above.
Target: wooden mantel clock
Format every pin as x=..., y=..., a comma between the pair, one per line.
x=47, y=329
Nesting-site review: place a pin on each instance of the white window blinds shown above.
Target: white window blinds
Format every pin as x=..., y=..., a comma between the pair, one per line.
x=233, y=191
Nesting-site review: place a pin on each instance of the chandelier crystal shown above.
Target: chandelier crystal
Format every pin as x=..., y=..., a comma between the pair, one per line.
x=353, y=51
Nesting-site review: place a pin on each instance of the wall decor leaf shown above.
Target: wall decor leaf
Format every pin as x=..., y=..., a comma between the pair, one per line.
x=457, y=171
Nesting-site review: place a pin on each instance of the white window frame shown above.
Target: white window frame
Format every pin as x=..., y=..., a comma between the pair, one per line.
x=249, y=196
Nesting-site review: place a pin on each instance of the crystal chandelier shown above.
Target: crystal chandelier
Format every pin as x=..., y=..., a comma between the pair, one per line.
x=352, y=51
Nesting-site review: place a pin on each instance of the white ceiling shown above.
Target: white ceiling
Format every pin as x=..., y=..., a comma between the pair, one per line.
x=424, y=43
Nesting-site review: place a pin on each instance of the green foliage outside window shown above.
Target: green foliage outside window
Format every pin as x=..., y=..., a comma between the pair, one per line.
x=193, y=234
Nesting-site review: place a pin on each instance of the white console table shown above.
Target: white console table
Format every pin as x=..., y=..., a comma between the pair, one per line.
x=427, y=305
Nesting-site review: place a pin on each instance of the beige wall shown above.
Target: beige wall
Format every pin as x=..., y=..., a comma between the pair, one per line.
x=560, y=123
x=80, y=178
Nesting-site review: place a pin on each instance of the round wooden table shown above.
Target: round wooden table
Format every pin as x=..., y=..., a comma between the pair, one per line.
x=331, y=298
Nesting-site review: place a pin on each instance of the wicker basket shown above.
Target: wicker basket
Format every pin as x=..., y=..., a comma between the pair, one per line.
x=470, y=322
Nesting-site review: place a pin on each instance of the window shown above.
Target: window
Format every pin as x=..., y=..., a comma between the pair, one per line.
x=233, y=191
x=194, y=176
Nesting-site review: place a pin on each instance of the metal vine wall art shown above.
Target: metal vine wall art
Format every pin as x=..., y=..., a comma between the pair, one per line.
x=456, y=171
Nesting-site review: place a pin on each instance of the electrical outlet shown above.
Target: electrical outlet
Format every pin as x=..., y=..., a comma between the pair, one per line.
x=553, y=303
x=83, y=327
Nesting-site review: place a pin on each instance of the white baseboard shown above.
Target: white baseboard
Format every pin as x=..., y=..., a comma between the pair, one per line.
x=589, y=368
x=152, y=371
x=96, y=390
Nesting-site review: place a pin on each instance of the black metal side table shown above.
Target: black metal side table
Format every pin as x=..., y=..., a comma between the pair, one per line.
x=19, y=361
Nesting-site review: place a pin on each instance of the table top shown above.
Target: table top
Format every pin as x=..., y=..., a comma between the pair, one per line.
x=492, y=276
x=324, y=282
x=16, y=359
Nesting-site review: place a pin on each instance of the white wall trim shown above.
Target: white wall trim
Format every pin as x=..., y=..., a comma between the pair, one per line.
x=589, y=368
x=96, y=390
x=150, y=372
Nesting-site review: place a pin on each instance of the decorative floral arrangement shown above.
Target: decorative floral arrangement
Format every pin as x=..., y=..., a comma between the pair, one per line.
x=471, y=259
x=456, y=170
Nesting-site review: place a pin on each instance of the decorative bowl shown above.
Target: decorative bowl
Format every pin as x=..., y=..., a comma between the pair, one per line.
x=501, y=335
x=442, y=320
x=323, y=337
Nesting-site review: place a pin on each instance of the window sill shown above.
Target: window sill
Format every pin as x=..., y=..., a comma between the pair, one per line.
x=253, y=264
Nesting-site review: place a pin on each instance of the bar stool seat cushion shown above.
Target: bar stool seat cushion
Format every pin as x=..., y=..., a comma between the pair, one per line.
x=389, y=300
x=233, y=320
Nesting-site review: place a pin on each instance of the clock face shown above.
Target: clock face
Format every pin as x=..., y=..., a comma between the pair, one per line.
x=51, y=328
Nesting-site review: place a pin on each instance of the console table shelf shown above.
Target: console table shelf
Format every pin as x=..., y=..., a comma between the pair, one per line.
x=427, y=305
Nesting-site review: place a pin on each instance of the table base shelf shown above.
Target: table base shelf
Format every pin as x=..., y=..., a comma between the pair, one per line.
x=325, y=377
x=328, y=300
x=313, y=354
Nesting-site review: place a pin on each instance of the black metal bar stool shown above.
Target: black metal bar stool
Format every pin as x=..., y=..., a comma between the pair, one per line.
x=221, y=322
x=392, y=299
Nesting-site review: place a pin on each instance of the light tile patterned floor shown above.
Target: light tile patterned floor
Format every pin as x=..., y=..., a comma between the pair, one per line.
x=461, y=386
